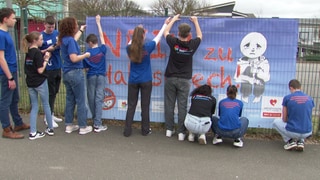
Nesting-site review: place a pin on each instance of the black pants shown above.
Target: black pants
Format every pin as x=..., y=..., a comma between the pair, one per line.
x=54, y=79
x=133, y=94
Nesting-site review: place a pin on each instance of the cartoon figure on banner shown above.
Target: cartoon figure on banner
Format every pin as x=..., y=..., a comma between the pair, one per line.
x=253, y=68
x=109, y=99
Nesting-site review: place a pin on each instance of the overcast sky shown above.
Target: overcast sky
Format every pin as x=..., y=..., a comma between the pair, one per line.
x=266, y=8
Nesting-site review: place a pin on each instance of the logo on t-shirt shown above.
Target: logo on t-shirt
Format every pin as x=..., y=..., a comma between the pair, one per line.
x=182, y=50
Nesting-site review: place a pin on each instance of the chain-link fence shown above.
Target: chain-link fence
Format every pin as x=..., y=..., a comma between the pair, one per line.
x=307, y=67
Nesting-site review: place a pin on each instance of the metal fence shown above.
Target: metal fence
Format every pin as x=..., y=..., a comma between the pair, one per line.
x=307, y=70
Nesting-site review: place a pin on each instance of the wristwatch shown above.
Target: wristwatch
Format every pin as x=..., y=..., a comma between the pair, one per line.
x=11, y=79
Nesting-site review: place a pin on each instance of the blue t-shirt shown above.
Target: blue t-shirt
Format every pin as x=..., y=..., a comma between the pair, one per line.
x=6, y=45
x=299, y=108
x=141, y=72
x=69, y=46
x=55, y=59
x=229, y=111
x=97, y=61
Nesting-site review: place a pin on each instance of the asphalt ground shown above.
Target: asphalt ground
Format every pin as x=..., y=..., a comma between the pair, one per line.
x=110, y=155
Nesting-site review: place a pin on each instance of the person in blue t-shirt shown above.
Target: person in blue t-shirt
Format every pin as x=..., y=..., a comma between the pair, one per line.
x=73, y=76
x=96, y=65
x=230, y=124
x=296, y=122
x=140, y=78
x=53, y=68
x=9, y=97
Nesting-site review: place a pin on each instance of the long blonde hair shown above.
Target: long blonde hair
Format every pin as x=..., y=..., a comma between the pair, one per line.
x=136, y=47
x=28, y=39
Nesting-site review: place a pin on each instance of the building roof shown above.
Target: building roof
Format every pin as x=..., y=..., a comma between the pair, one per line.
x=222, y=10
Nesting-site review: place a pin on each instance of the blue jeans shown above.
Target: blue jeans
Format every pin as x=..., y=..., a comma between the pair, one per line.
x=236, y=133
x=43, y=91
x=280, y=126
x=75, y=95
x=9, y=102
x=176, y=89
x=95, y=93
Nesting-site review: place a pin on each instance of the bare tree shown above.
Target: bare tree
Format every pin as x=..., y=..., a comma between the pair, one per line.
x=105, y=8
x=183, y=7
x=28, y=7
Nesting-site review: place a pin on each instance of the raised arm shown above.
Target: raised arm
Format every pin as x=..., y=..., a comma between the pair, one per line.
x=158, y=37
x=169, y=26
x=80, y=32
x=98, y=21
x=194, y=19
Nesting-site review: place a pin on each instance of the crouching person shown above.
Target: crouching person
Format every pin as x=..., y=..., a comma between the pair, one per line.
x=230, y=124
x=296, y=122
x=198, y=119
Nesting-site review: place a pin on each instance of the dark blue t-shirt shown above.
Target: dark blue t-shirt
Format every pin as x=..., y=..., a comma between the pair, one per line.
x=6, y=45
x=141, y=72
x=97, y=61
x=69, y=46
x=299, y=108
x=55, y=59
x=229, y=111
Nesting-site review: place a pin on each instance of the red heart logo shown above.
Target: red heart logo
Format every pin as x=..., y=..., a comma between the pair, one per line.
x=273, y=102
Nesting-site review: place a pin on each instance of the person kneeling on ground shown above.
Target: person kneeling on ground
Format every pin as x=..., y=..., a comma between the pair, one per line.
x=198, y=119
x=230, y=124
x=296, y=122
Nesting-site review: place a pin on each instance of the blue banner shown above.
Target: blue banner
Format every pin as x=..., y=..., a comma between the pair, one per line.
x=256, y=55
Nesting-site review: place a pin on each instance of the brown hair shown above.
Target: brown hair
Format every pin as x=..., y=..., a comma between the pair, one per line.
x=295, y=84
x=67, y=27
x=50, y=20
x=232, y=91
x=29, y=38
x=92, y=38
x=5, y=13
x=184, y=30
x=202, y=90
x=135, y=51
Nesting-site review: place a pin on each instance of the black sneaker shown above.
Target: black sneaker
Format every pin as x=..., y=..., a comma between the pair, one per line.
x=37, y=135
x=291, y=144
x=49, y=131
x=147, y=133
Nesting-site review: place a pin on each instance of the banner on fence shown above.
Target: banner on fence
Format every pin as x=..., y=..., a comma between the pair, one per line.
x=256, y=55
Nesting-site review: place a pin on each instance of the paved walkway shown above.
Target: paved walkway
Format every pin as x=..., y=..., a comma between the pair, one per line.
x=109, y=155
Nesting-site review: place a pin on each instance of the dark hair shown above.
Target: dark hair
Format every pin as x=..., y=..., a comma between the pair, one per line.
x=92, y=38
x=29, y=38
x=5, y=13
x=295, y=84
x=232, y=91
x=50, y=20
x=184, y=30
x=202, y=90
x=67, y=27
x=136, y=47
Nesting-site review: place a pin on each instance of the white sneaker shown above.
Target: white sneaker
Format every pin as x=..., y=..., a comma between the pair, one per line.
x=71, y=128
x=202, y=139
x=217, y=139
x=54, y=124
x=238, y=143
x=85, y=130
x=181, y=136
x=169, y=133
x=191, y=137
x=100, y=128
x=56, y=119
